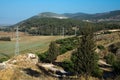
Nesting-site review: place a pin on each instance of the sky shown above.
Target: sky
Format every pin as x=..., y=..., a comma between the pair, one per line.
x=14, y=11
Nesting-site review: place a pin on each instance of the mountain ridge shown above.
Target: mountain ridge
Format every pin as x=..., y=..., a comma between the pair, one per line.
x=98, y=17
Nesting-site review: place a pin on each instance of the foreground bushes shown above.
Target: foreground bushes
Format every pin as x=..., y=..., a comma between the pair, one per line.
x=43, y=56
x=68, y=66
x=3, y=59
x=110, y=58
x=116, y=67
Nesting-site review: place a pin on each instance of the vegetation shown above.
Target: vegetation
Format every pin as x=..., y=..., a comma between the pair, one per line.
x=68, y=66
x=114, y=47
x=101, y=47
x=53, y=26
x=5, y=39
x=53, y=52
x=116, y=67
x=43, y=56
x=67, y=44
x=3, y=59
x=32, y=44
x=110, y=58
x=84, y=58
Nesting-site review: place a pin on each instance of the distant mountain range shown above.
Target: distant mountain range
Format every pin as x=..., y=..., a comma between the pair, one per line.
x=4, y=25
x=98, y=17
x=50, y=15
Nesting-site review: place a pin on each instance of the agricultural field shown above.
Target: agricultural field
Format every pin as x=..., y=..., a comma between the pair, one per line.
x=31, y=44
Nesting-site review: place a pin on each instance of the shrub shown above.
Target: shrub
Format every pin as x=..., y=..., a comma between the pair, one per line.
x=101, y=47
x=68, y=44
x=110, y=58
x=97, y=72
x=116, y=67
x=5, y=39
x=68, y=65
x=42, y=57
x=114, y=47
x=3, y=59
x=63, y=50
x=107, y=32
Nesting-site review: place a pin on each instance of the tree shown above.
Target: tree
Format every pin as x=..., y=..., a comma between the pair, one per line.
x=84, y=58
x=53, y=52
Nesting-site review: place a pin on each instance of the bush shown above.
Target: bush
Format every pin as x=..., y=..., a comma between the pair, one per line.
x=97, y=72
x=110, y=58
x=101, y=47
x=107, y=32
x=114, y=47
x=68, y=66
x=63, y=50
x=5, y=39
x=116, y=67
x=67, y=44
x=3, y=59
x=42, y=57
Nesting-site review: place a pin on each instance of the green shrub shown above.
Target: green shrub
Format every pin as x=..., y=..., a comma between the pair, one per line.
x=107, y=32
x=110, y=58
x=116, y=67
x=68, y=66
x=42, y=57
x=101, y=47
x=97, y=72
x=67, y=44
x=5, y=39
x=63, y=50
x=3, y=59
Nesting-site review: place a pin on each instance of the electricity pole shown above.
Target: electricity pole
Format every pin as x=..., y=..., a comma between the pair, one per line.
x=63, y=32
x=17, y=42
x=75, y=31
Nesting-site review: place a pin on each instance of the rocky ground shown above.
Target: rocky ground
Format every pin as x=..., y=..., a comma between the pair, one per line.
x=23, y=67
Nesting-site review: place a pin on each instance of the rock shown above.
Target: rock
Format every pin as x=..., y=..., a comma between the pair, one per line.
x=2, y=66
x=118, y=52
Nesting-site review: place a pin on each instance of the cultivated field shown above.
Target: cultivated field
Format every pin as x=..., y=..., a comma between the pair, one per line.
x=27, y=43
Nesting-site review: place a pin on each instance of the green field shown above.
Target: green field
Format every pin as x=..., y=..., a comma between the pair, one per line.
x=27, y=44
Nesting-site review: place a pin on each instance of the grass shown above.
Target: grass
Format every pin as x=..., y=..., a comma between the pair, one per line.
x=27, y=44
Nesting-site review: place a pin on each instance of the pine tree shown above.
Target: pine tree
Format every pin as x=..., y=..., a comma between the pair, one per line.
x=84, y=58
x=53, y=52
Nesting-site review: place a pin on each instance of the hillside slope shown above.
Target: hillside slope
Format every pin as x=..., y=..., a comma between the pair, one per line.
x=23, y=67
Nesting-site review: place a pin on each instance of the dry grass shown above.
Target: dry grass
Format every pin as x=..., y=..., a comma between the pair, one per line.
x=108, y=39
x=65, y=56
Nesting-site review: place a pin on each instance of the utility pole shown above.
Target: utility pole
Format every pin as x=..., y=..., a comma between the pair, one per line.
x=63, y=32
x=17, y=42
x=75, y=31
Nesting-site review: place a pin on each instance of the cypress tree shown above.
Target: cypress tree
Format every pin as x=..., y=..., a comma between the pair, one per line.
x=84, y=58
x=53, y=52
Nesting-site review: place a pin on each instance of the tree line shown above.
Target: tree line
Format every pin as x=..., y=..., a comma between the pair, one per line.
x=53, y=26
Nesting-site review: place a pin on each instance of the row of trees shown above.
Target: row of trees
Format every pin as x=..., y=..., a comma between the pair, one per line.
x=52, y=26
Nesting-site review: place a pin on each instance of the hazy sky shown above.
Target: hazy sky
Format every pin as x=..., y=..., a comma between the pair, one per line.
x=13, y=11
